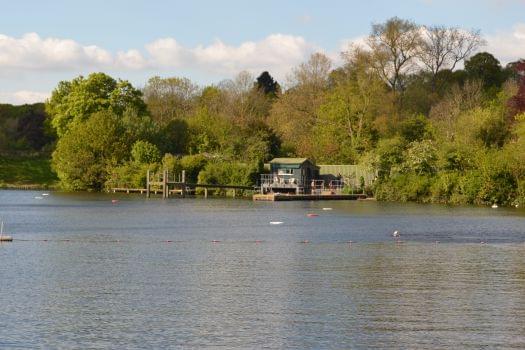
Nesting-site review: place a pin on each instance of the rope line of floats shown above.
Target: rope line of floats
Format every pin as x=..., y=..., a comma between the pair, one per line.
x=396, y=235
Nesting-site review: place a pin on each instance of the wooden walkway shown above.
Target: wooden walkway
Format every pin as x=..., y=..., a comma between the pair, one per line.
x=161, y=184
x=274, y=197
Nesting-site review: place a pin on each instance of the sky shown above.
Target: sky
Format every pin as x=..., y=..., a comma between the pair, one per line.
x=44, y=42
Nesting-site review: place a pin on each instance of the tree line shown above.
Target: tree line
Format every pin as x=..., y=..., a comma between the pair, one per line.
x=399, y=105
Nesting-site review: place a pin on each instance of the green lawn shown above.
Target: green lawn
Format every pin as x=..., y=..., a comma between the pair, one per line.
x=22, y=171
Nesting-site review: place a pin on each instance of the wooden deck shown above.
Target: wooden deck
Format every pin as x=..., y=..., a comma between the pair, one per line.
x=273, y=197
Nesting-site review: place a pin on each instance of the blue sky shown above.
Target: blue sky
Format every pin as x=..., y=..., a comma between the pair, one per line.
x=42, y=42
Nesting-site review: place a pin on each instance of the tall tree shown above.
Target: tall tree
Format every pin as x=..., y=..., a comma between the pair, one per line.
x=517, y=102
x=444, y=47
x=170, y=98
x=74, y=101
x=486, y=68
x=266, y=83
x=295, y=113
x=86, y=152
x=244, y=104
x=393, y=46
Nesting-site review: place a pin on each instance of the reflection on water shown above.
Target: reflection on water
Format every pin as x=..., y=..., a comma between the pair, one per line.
x=86, y=273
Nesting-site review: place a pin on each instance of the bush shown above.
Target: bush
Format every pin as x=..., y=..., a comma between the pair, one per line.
x=193, y=165
x=145, y=153
x=129, y=175
x=229, y=173
x=467, y=189
x=404, y=188
x=444, y=187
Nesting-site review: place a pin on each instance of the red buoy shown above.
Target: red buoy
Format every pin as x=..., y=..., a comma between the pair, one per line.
x=312, y=215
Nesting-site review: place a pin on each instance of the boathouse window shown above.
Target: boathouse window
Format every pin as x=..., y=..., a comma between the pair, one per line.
x=285, y=171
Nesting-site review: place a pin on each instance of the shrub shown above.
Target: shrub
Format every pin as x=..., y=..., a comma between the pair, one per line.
x=145, y=153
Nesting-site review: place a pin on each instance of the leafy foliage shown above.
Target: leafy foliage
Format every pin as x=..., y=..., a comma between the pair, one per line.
x=397, y=105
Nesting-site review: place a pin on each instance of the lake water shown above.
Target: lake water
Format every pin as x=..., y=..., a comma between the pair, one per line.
x=87, y=273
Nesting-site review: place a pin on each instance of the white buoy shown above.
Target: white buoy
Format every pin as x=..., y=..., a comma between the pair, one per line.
x=4, y=238
x=39, y=197
x=494, y=206
x=45, y=194
x=327, y=208
x=396, y=234
x=276, y=222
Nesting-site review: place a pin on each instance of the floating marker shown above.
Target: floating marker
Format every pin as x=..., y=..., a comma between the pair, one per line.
x=327, y=208
x=494, y=206
x=258, y=241
x=45, y=194
x=215, y=241
x=4, y=238
x=114, y=201
x=39, y=197
x=312, y=215
x=396, y=234
x=276, y=222
x=305, y=241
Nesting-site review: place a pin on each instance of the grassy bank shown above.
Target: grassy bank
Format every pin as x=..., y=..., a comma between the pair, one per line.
x=25, y=172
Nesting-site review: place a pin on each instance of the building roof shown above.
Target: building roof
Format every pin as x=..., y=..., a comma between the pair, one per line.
x=289, y=160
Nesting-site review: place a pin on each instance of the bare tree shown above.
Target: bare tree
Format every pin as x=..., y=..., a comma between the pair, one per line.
x=444, y=48
x=313, y=74
x=243, y=102
x=393, y=47
x=170, y=98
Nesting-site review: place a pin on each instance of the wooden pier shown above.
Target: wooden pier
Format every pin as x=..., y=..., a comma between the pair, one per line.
x=276, y=197
x=161, y=183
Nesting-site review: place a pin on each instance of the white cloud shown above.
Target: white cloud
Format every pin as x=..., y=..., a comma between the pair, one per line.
x=33, y=52
x=23, y=97
x=507, y=46
x=277, y=53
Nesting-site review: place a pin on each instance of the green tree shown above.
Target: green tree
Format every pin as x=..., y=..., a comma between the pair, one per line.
x=295, y=113
x=486, y=68
x=145, y=152
x=85, y=154
x=74, y=101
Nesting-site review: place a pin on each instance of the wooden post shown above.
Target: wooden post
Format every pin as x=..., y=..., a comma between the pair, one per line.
x=205, y=192
x=234, y=193
x=164, y=184
x=147, y=184
x=183, y=189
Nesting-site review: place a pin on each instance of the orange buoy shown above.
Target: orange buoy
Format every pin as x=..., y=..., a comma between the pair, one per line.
x=312, y=215
x=215, y=241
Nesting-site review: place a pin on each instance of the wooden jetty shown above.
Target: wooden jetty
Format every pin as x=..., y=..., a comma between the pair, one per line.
x=161, y=183
x=277, y=197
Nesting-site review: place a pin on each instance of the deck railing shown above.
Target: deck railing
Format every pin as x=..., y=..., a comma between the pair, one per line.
x=278, y=181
